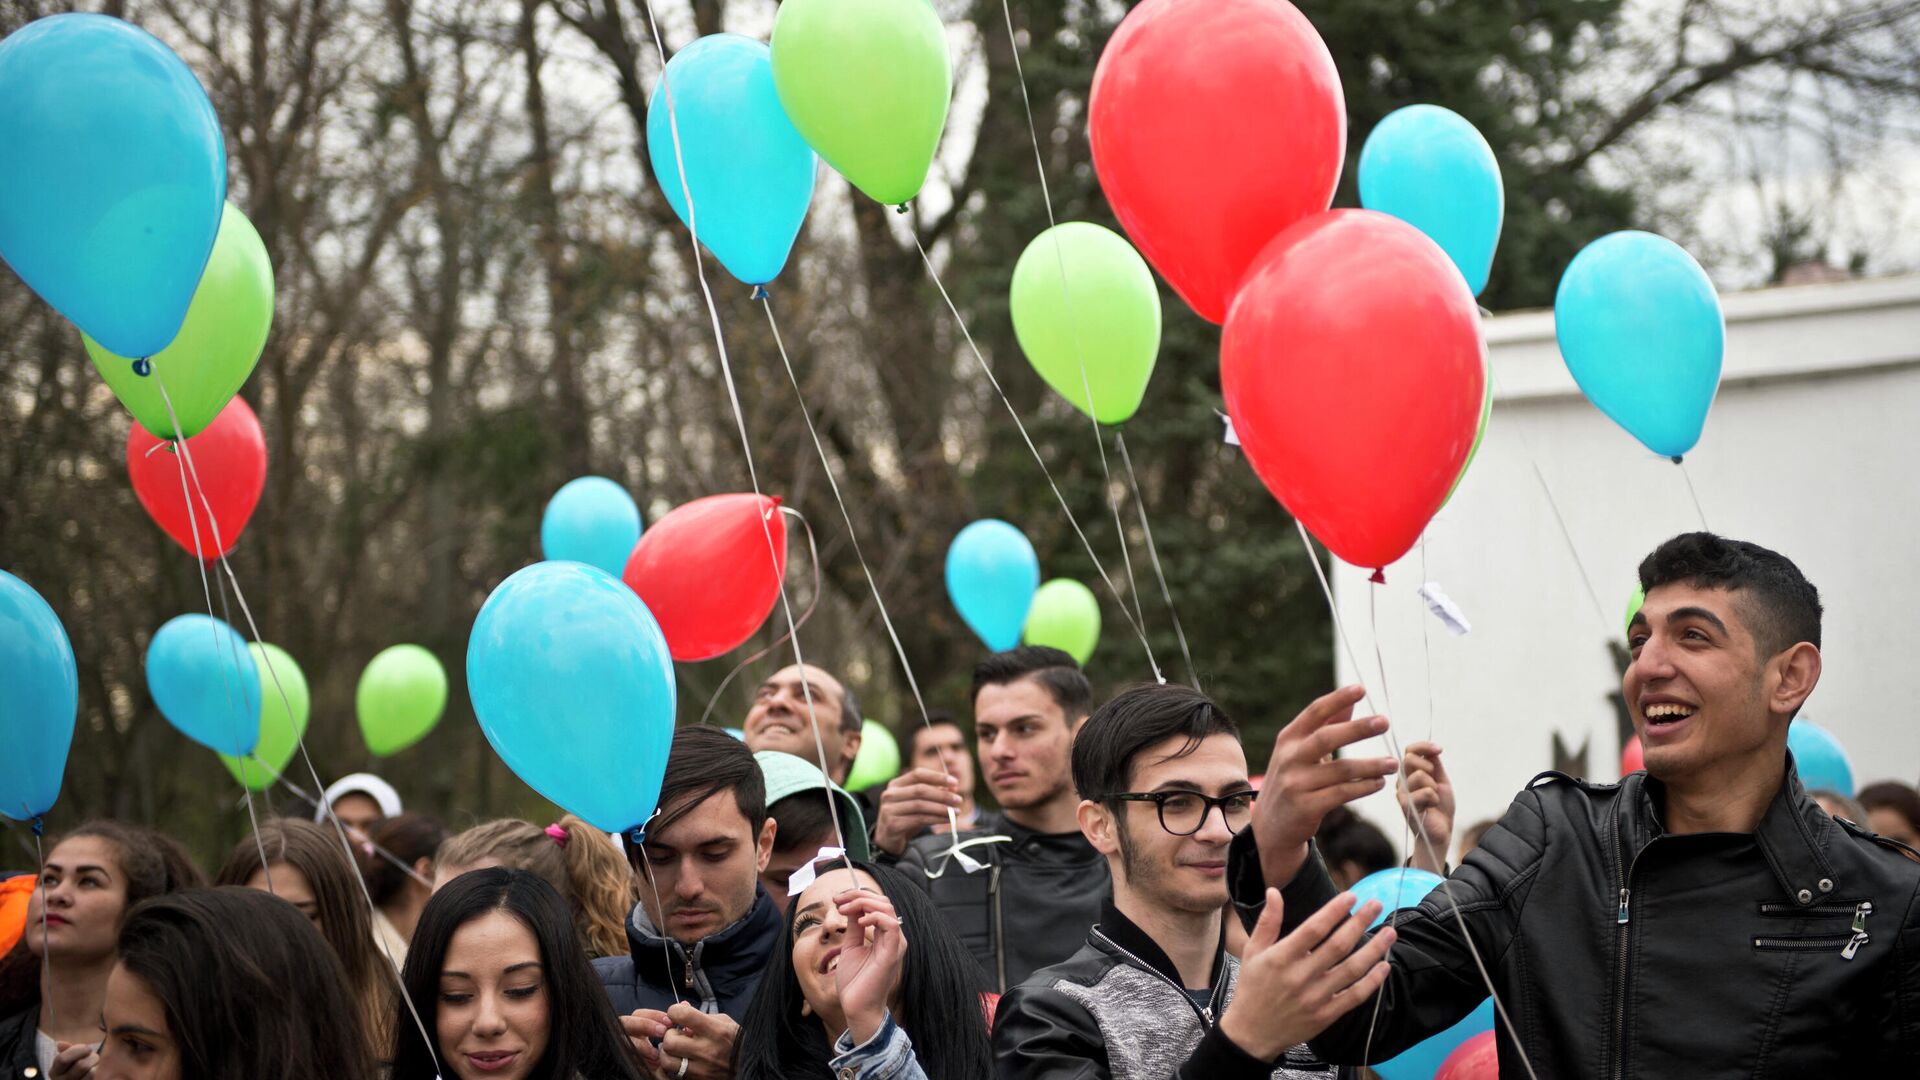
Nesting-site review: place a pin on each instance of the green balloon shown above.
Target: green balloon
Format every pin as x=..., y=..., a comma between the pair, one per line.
x=1081, y=295
x=218, y=344
x=1486, y=413
x=279, y=733
x=1634, y=603
x=867, y=84
x=878, y=760
x=1066, y=615
x=401, y=696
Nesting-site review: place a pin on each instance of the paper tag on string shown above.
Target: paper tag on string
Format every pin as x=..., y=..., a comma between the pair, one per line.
x=1232, y=437
x=803, y=876
x=1445, y=609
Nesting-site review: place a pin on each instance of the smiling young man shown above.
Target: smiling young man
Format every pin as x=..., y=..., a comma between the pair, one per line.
x=1703, y=919
x=702, y=933
x=1031, y=895
x=778, y=718
x=1152, y=992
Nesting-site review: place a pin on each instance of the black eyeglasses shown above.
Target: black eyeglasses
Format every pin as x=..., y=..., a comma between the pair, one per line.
x=1182, y=813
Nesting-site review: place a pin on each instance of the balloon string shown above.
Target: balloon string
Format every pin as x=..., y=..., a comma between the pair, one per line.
x=46, y=951
x=1086, y=383
x=981, y=359
x=298, y=792
x=1692, y=494
x=813, y=602
x=739, y=416
x=1153, y=553
x=666, y=953
x=299, y=738
x=926, y=722
x=1426, y=649
x=226, y=616
x=1393, y=747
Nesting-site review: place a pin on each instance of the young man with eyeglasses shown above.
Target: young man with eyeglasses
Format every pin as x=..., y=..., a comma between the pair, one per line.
x=1164, y=789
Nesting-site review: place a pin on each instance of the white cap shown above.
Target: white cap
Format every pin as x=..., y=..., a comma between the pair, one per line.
x=364, y=783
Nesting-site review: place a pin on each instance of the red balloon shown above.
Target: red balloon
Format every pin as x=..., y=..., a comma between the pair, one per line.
x=704, y=573
x=1476, y=1059
x=230, y=459
x=1354, y=371
x=1633, y=757
x=1215, y=125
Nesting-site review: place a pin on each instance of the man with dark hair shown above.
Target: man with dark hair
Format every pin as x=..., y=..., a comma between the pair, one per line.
x=1152, y=992
x=1704, y=918
x=781, y=706
x=936, y=790
x=1027, y=886
x=1353, y=847
x=703, y=930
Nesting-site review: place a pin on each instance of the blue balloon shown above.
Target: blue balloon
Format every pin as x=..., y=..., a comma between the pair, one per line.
x=992, y=574
x=1640, y=329
x=1432, y=169
x=1400, y=887
x=39, y=697
x=1424, y=1059
x=206, y=683
x=591, y=520
x=750, y=171
x=1819, y=758
x=738, y=733
x=113, y=177
x=573, y=685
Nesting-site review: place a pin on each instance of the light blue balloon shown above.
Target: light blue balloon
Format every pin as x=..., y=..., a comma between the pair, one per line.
x=206, y=683
x=39, y=697
x=1640, y=329
x=1424, y=1059
x=992, y=574
x=1399, y=887
x=1819, y=758
x=1432, y=169
x=738, y=733
x=750, y=171
x=113, y=174
x=591, y=520
x=573, y=685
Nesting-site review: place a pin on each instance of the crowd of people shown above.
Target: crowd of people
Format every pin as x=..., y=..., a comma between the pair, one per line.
x=1132, y=906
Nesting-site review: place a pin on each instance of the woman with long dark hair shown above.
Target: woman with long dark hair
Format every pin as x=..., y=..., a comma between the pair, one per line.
x=53, y=981
x=227, y=984
x=867, y=978
x=498, y=976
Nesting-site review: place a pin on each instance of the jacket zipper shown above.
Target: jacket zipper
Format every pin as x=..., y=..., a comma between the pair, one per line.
x=1622, y=920
x=1205, y=1013
x=1806, y=944
x=999, y=930
x=1844, y=907
x=1859, y=937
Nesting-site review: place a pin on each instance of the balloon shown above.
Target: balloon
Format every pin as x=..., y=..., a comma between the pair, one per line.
x=750, y=171
x=591, y=520
x=1476, y=1059
x=279, y=733
x=705, y=574
x=230, y=459
x=867, y=84
x=1405, y=887
x=1065, y=615
x=992, y=574
x=217, y=346
x=1354, y=371
x=1430, y=168
x=113, y=176
x=39, y=698
x=573, y=685
x=1087, y=315
x=738, y=733
x=1639, y=326
x=878, y=760
x=1820, y=759
x=205, y=683
x=1427, y=1059
x=400, y=698
x=1633, y=756
x=1479, y=436
x=1215, y=125
x=1400, y=887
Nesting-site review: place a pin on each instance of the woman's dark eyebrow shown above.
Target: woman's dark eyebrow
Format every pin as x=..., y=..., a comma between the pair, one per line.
x=135, y=1029
x=522, y=966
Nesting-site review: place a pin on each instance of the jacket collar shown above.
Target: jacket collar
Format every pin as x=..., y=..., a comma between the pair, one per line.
x=729, y=958
x=1140, y=949
x=1793, y=835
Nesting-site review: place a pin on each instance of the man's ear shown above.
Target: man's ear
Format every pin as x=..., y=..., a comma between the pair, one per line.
x=763, y=848
x=1097, y=824
x=1795, y=673
x=849, y=749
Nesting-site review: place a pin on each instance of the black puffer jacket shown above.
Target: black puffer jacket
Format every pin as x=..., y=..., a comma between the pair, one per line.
x=718, y=974
x=1622, y=951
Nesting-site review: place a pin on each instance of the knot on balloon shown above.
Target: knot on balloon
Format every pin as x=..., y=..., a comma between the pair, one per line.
x=759, y=293
x=1675, y=459
x=1379, y=577
x=901, y=209
x=143, y=367
x=39, y=825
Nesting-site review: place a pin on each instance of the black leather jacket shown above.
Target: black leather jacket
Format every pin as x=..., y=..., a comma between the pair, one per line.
x=1029, y=906
x=1623, y=951
x=19, y=1050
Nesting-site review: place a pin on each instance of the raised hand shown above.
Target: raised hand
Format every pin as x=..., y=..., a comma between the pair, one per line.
x=1299, y=984
x=1426, y=797
x=1304, y=781
x=871, y=959
x=915, y=800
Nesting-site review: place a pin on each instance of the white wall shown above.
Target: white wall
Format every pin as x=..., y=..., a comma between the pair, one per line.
x=1811, y=449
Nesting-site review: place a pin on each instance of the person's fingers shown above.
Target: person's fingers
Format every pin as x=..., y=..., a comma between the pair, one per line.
x=1361, y=961
x=916, y=793
x=683, y=1015
x=1314, y=928
x=1342, y=1001
x=856, y=901
x=1339, y=771
x=919, y=811
x=1345, y=938
x=1326, y=740
x=655, y=1015
x=1266, y=930
x=1325, y=709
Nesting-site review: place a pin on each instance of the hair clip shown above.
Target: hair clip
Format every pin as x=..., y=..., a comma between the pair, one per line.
x=558, y=832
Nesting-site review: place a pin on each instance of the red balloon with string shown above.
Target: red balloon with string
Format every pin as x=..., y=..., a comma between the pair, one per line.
x=706, y=574
x=228, y=459
x=1215, y=124
x=1353, y=369
x=1476, y=1059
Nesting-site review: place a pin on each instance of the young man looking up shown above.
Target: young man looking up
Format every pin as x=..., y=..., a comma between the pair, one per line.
x=1153, y=992
x=1034, y=894
x=1703, y=919
x=703, y=930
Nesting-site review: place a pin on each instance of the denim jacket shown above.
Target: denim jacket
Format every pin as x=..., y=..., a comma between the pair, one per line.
x=886, y=1056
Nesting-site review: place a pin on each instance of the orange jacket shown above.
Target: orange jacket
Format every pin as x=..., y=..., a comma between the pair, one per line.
x=14, y=894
